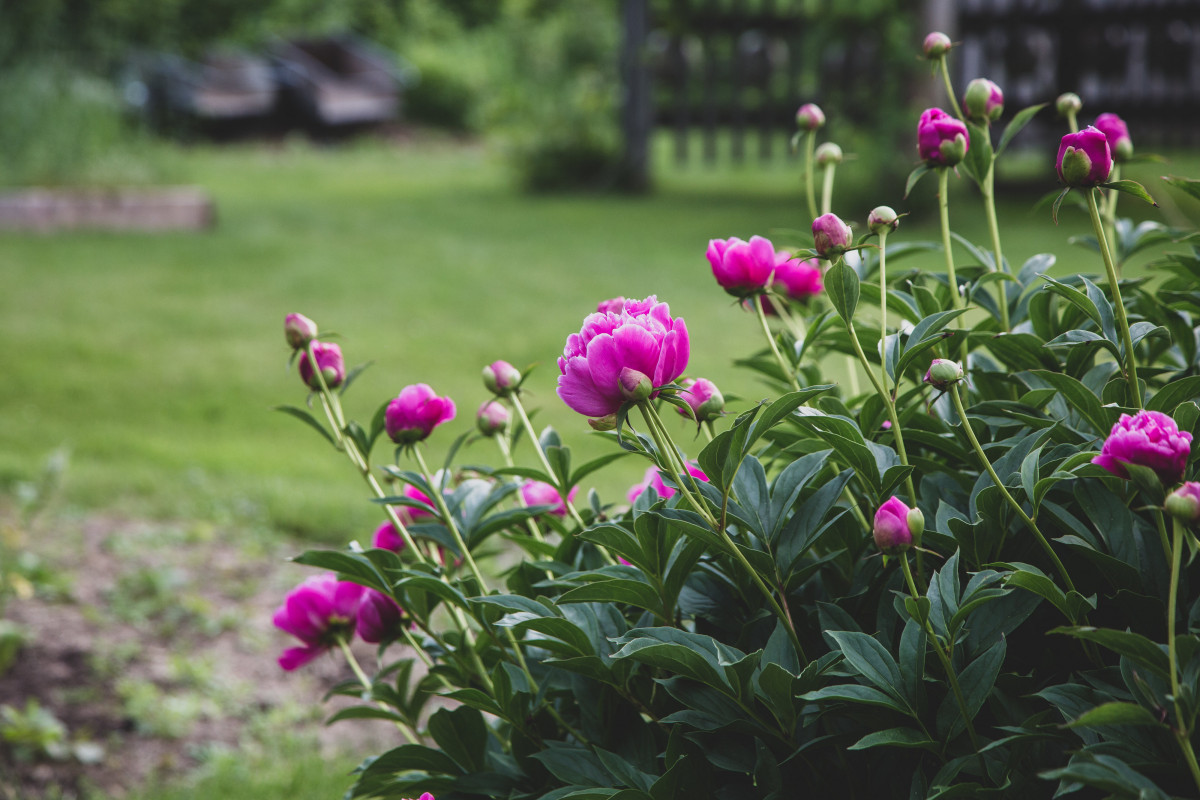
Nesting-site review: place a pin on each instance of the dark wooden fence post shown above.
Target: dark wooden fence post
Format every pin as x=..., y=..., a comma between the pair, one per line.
x=637, y=113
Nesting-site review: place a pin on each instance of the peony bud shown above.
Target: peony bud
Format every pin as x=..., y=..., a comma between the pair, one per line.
x=828, y=154
x=379, y=617
x=983, y=102
x=891, y=531
x=936, y=45
x=881, y=218
x=809, y=117
x=1084, y=159
x=831, y=236
x=501, y=378
x=916, y=524
x=943, y=373
x=942, y=140
x=1117, y=133
x=492, y=418
x=704, y=398
x=415, y=412
x=1068, y=103
x=1184, y=503
x=329, y=359
x=299, y=330
x=635, y=385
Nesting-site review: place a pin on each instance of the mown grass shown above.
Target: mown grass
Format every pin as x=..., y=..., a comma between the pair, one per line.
x=157, y=358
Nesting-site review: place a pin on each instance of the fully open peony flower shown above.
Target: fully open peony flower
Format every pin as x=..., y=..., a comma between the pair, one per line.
x=318, y=612
x=642, y=336
x=413, y=415
x=799, y=280
x=1149, y=439
x=744, y=268
x=653, y=479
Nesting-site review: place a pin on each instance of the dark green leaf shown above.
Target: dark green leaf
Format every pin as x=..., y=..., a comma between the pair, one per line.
x=841, y=285
x=915, y=176
x=1189, y=185
x=1131, y=187
x=872, y=661
x=1019, y=121
x=895, y=737
x=1116, y=714
x=1131, y=645
x=305, y=417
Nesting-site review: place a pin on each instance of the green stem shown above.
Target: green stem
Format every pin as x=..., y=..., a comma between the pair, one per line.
x=827, y=189
x=810, y=144
x=947, y=664
x=506, y=451
x=1110, y=209
x=983, y=459
x=883, y=315
x=1182, y=734
x=766, y=329
x=988, y=189
x=950, y=90
x=367, y=686
x=562, y=490
x=956, y=300
x=440, y=500
x=1072, y=122
x=1130, y=361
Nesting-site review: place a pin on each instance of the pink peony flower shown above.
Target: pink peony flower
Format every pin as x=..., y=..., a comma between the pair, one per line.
x=318, y=612
x=1084, y=158
x=642, y=337
x=1117, y=133
x=831, y=236
x=613, y=305
x=799, y=280
x=809, y=117
x=942, y=140
x=897, y=526
x=540, y=493
x=704, y=398
x=299, y=330
x=744, y=268
x=653, y=479
x=413, y=415
x=329, y=359
x=983, y=101
x=1149, y=439
x=379, y=617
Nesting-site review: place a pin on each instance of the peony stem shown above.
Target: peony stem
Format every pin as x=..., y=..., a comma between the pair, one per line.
x=1029, y=522
x=788, y=371
x=956, y=300
x=367, y=687
x=827, y=189
x=810, y=144
x=950, y=90
x=883, y=315
x=1110, y=209
x=1072, y=123
x=1130, y=362
x=506, y=451
x=440, y=500
x=1182, y=734
x=562, y=490
x=988, y=190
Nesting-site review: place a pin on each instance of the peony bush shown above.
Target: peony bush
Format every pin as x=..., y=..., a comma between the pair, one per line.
x=967, y=578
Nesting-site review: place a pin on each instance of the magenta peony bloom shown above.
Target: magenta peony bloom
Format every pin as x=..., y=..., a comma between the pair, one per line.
x=942, y=140
x=413, y=415
x=1084, y=158
x=831, y=236
x=426, y=796
x=386, y=536
x=1184, y=503
x=983, y=101
x=318, y=612
x=653, y=479
x=299, y=330
x=809, y=117
x=936, y=45
x=329, y=359
x=703, y=397
x=744, y=268
x=642, y=337
x=540, y=493
x=1148, y=439
x=897, y=526
x=492, y=418
x=614, y=305
x=799, y=280
x=501, y=377
x=1117, y=133
x=379, y=617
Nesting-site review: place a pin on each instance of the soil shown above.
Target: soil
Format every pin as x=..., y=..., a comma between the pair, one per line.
x=160, y=646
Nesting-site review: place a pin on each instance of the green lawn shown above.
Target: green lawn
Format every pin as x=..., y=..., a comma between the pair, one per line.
x=156, y=358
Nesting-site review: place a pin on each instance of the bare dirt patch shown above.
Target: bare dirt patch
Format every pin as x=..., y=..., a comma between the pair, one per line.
x=163, y=646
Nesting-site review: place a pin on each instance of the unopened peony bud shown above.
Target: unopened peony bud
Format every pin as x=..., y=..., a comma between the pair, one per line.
x=1084, y=159
x=831, y=236
x=983, y=102
x=828, y=154
x=942, y=140
x=1068, y=103
x=916, y=524
x=883, y=218
x=943, y=373
x=809, y=117
x=635, y=385
x=1117, y=133
x=704, y=398
x=936, y=45
x=299, y=330
x=501, y=378
x=329, y=359
x=1184, y=503
x=891, y=531
x=492, y=418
